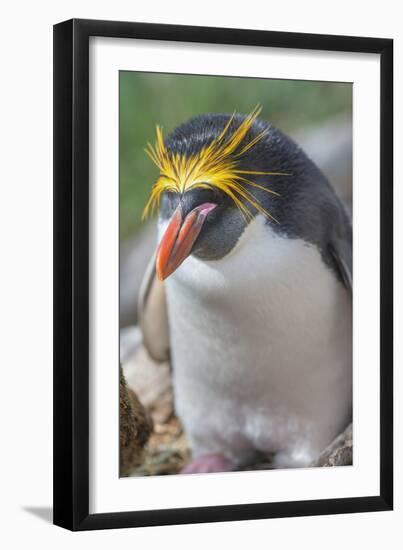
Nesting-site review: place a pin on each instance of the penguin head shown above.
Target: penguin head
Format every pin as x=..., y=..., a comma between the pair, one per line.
x=214, y=179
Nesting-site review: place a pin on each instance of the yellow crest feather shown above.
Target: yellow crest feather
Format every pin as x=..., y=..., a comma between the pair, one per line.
x=215, y=166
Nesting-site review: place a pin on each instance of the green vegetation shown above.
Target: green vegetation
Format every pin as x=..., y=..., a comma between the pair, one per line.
x=147, y=99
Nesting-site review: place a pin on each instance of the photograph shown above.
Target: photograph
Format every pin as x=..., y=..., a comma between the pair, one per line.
x=199, y=275
x=223, y=268
x=235, y=274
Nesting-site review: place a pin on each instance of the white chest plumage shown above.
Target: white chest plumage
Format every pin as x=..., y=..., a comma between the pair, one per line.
x=261, y=344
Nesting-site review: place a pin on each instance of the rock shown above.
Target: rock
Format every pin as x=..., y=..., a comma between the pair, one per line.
x=151, y=381
x=135, y=428
x=167, y=450
x=339, y=452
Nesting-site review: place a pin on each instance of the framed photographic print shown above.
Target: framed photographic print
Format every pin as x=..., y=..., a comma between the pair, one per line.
x=223, y=318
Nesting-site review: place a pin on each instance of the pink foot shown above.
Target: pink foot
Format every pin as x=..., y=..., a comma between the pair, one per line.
x=208, y=463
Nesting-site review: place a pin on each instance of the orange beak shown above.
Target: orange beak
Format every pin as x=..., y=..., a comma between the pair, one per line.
x=179, y=238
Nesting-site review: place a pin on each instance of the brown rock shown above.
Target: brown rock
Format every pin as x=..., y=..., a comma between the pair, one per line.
x=135, y=427
x=151, y=381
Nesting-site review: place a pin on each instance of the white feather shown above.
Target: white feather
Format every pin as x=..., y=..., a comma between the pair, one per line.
x=261, y=344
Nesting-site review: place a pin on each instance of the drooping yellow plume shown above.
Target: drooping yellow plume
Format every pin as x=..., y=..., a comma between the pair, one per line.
x=214, y=166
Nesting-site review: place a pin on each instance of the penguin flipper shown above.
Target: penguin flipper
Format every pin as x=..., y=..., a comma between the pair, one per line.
x=153, y=316
x=341, y=253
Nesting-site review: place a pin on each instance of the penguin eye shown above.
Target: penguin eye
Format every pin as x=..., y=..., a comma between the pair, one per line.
x=214, y=194
x=218, y=196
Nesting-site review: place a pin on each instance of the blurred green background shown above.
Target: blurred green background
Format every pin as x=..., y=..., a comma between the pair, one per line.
x=147, y=99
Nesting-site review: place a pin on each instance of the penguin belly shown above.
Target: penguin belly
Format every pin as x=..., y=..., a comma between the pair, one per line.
x=261, y=344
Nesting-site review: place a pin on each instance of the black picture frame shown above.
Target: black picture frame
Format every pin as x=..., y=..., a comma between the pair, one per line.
x=71, y=274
